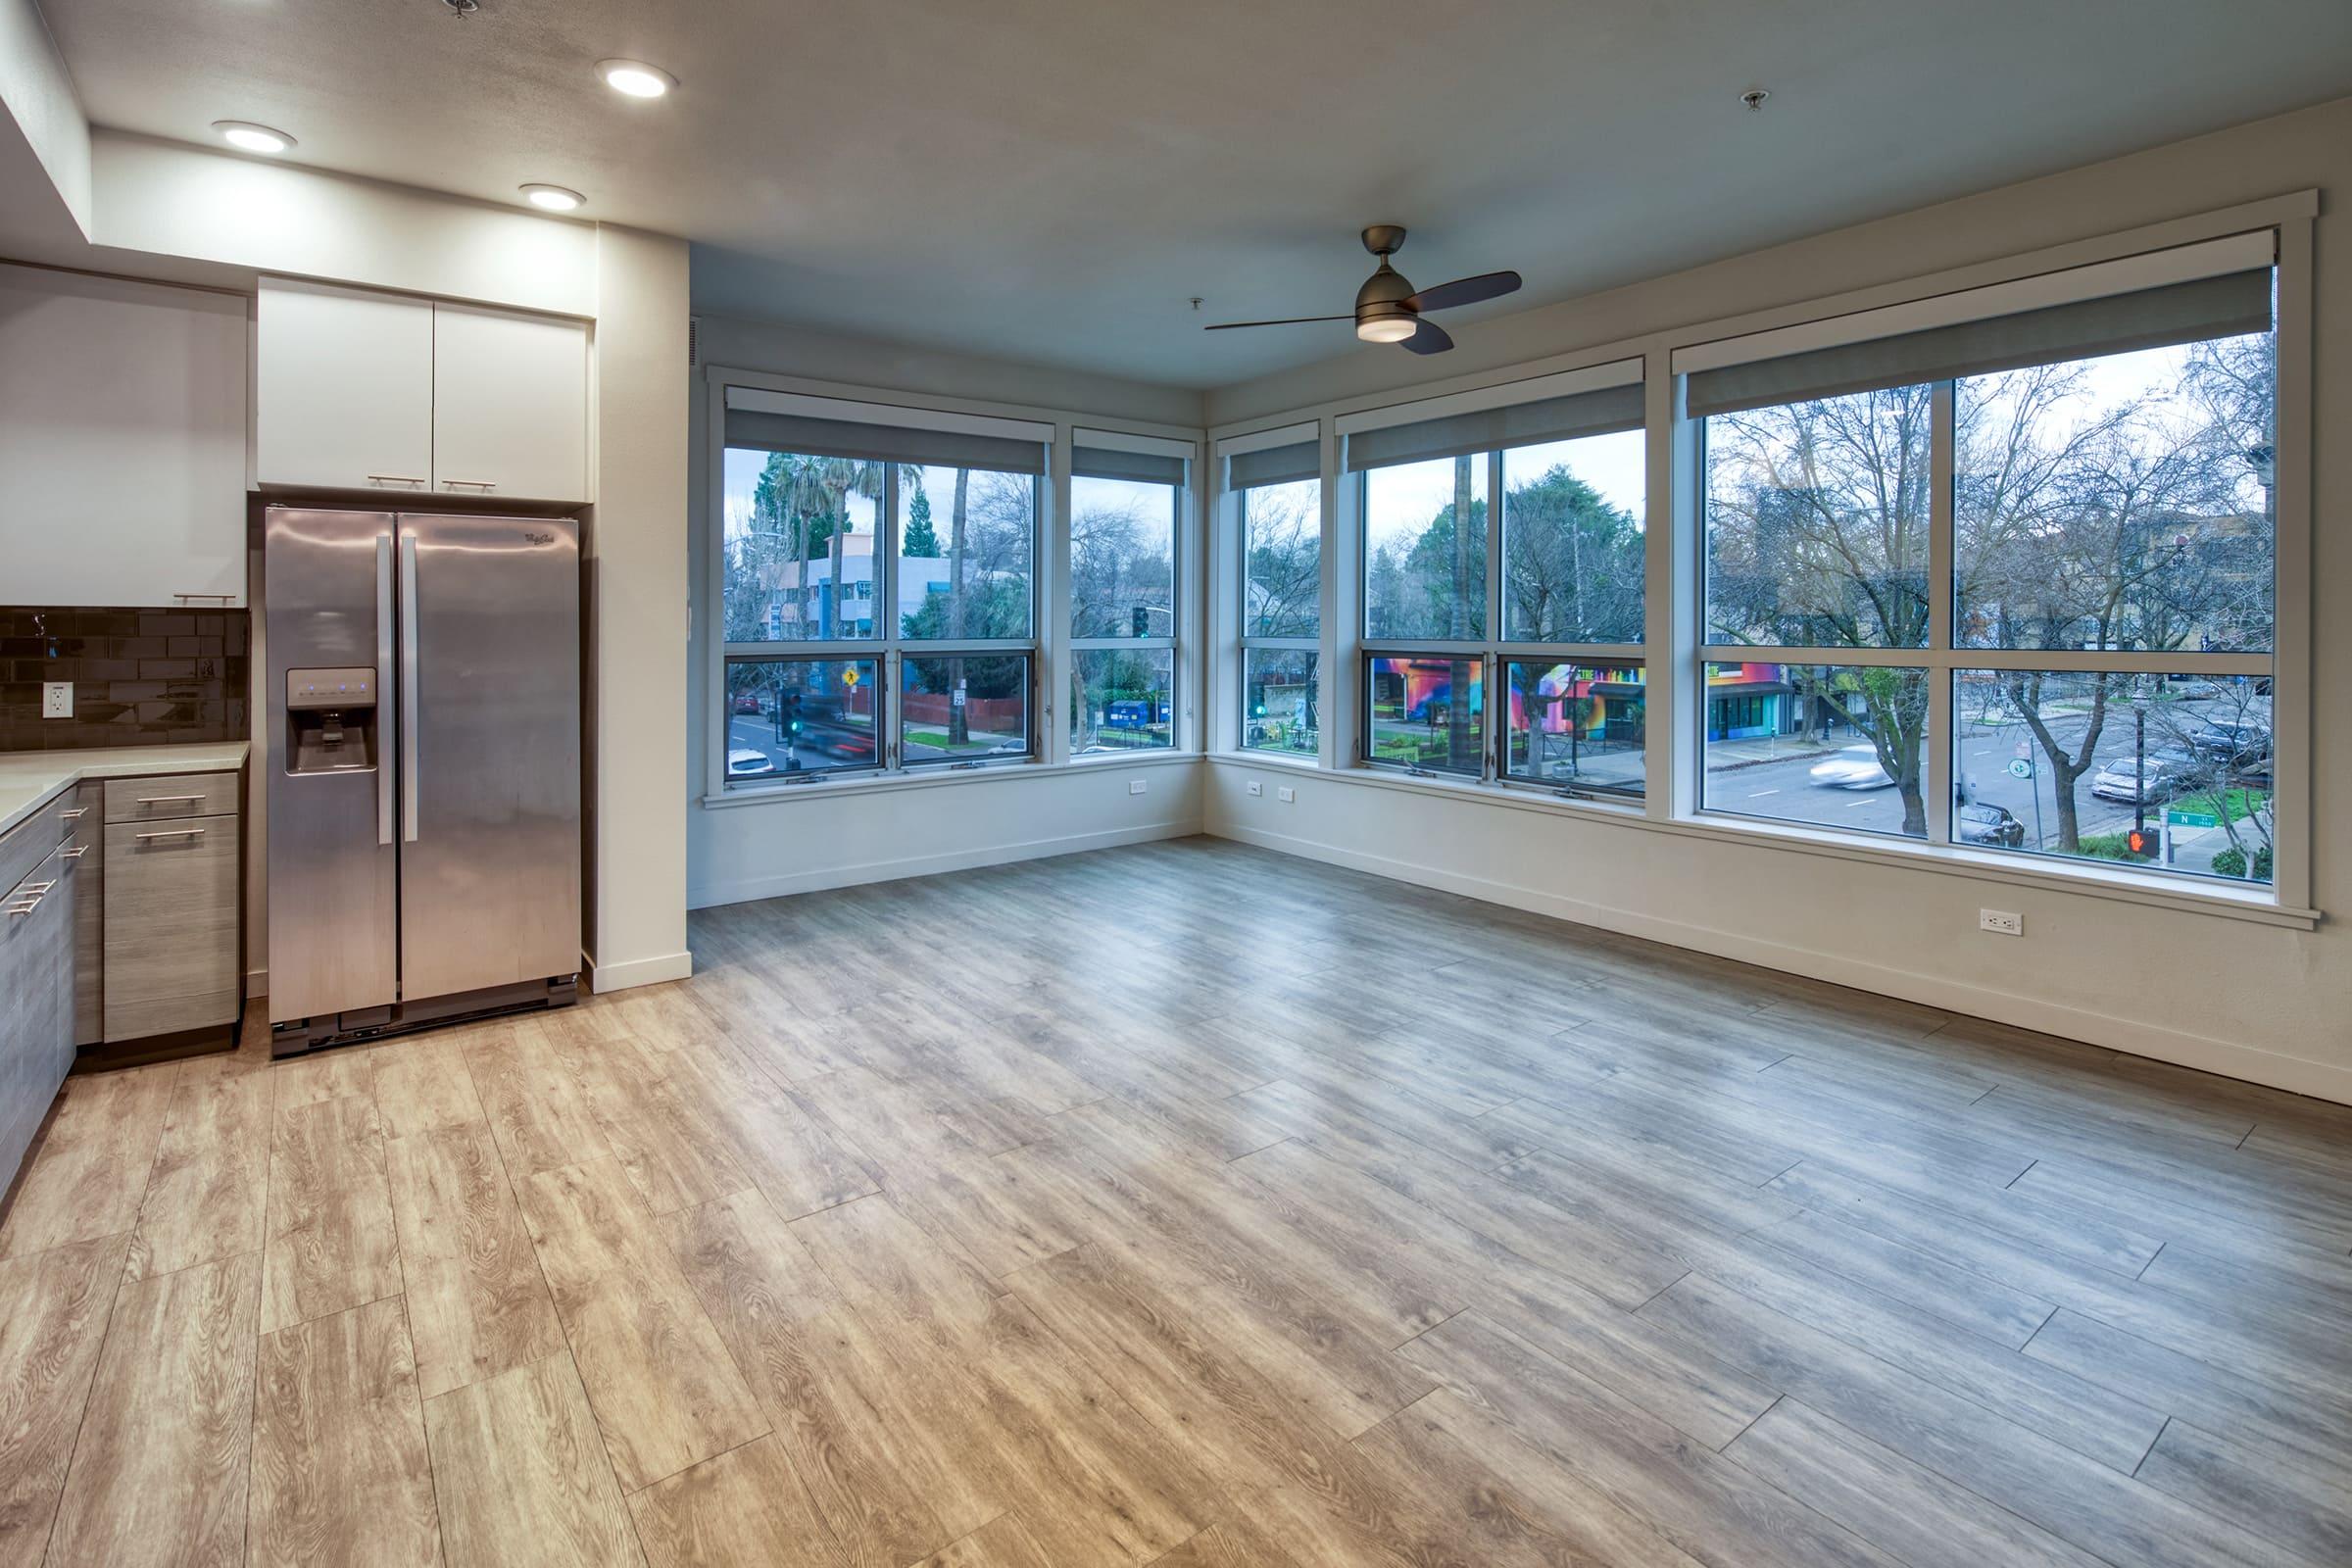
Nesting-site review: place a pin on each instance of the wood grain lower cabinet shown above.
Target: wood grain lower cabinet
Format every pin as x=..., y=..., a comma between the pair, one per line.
x=172, y=909
x=88, y=868
x=37, y=979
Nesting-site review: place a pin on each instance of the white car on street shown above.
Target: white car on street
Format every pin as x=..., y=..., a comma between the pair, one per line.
x=2132, y=779
x=1856, y=768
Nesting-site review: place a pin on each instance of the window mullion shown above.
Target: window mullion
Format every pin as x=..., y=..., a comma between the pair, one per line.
x=1943, y=469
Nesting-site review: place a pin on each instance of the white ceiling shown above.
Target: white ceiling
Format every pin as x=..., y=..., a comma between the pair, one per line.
x=1050, y=181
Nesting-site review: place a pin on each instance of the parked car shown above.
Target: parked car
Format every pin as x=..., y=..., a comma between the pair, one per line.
x=2238, y=745
x=2135, y=779
x=743, y=762
x=1979, y=823
x=1856, y=768
x=747, y=702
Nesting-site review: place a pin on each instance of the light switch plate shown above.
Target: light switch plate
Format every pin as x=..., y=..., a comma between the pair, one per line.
x=1135, y=786
x=1256, y=788
x=56, y=699
x=1285, y=793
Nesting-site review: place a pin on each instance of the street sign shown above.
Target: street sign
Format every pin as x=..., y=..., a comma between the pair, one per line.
x=2021, y=768
x=2178, y=818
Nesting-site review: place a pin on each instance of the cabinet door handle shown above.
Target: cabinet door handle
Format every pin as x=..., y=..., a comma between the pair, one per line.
x=223, y=598
x=71, y=814
x=396, y=478
x=166, y=799
x=26, y=908
x=174, y=833
x=471, y=485
x=76, y=852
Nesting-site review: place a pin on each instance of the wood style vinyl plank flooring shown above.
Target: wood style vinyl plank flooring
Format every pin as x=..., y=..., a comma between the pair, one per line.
x=1190, y=1205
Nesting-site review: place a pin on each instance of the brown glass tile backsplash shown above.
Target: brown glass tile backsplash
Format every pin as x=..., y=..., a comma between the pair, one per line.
x=140, y=676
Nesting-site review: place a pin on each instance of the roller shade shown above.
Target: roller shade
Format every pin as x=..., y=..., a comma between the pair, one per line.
x=1107, y=463
x=1599, y=412
x=2225, y=305
x=1274, y=466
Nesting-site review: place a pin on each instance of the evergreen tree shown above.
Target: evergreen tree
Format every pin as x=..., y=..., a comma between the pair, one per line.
x=921, y=539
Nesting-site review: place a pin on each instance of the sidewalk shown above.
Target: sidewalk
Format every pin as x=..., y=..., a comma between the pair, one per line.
x=1757, y=750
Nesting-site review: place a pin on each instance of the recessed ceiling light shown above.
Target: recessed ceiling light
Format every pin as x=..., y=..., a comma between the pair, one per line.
x=247, y=136
x=635, y=77
x=555, y=198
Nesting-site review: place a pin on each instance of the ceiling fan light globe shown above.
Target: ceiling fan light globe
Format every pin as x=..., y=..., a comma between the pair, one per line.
x=1387, y=328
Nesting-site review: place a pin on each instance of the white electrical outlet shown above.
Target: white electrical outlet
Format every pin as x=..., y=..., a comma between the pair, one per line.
x=1135, y=786
x=1286, y=793
x=56, y=699
x=1256, y=788
x=2002, y=922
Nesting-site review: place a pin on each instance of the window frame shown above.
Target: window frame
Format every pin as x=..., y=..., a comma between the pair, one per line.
x=1495, y=652
x=1184, y=503
x=1232, y=574
x=888, y=647
x=1944, y=657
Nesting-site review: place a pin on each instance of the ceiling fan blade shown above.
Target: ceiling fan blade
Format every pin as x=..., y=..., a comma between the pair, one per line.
x=1429, y=338
x=1288, y=321
x=1465, y=292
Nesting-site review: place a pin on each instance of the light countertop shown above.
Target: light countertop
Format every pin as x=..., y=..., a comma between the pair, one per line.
x=29, y=778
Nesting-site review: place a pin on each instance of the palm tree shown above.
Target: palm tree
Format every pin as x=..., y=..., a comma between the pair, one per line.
x=820, y=487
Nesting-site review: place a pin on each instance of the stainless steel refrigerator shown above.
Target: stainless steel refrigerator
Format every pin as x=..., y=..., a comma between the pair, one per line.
x=423, y=799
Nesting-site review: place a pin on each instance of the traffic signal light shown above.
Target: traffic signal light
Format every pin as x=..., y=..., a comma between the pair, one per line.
x=1142, y=619
x=2136, y=841
x=788, y=713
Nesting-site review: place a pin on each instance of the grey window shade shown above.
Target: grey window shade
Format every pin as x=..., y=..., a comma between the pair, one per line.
x=1106, y=463
x=1275, y=464
x=2227, y=306
x=881, y=443
x=1521, y=424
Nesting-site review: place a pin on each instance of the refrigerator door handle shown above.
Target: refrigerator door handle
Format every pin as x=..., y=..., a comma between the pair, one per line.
x=408, y=688
x=383, y=668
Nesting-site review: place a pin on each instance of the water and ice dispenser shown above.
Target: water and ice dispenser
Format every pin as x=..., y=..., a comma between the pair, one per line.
x=331, y=720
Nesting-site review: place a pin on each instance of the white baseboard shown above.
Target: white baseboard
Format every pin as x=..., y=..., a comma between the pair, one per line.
x=746, y=889
x=2140, y=1039
x=620, y=976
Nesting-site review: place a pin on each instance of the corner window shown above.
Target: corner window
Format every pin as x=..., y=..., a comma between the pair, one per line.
x=1277, y=508
x=1127, y=503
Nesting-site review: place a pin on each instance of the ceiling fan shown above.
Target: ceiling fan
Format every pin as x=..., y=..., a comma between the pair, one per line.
x=1387, y=309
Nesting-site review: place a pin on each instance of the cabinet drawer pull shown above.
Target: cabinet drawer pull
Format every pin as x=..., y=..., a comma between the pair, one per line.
x=174, y=833
x=396, y=478
x=471, y=485
x=34, y=890
x=26, y=908
x=76, y=852
x=223, y=598
x=166, y=799
x=71, y=814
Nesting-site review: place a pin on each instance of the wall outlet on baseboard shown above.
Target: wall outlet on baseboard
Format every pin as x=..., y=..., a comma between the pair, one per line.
x=1135, y=786
x=2002, y=922
x=1286, y=793
x=56, y=699
x=1256, y=788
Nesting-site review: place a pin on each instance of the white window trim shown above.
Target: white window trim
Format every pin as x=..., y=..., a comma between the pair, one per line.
x=1672, y=651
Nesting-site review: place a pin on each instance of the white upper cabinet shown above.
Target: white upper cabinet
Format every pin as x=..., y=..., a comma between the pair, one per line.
x=122, y=442
x=365, y=391
x=510, y=405
x=345, y=389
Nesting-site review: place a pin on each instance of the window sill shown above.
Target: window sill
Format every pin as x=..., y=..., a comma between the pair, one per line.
x=2168, y=893
x=872, y=783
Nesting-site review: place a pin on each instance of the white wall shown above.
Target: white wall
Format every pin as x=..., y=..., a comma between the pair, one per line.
x=638, y=612
x=793, y=844
x=38, y=95
x=2255, y=1001
x=185, y=204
